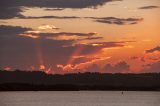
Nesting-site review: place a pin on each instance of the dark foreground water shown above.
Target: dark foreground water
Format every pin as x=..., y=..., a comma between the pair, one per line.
x=80, y=98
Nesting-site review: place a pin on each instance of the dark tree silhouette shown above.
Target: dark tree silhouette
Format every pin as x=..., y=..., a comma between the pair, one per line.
x=36, y=80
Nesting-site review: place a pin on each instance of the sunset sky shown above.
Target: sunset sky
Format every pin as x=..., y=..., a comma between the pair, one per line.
x=68, y=36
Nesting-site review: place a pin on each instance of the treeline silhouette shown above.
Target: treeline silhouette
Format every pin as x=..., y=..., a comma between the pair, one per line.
x=39, y=81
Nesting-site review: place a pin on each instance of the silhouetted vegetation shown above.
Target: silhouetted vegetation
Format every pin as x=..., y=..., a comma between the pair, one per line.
x=39, y=81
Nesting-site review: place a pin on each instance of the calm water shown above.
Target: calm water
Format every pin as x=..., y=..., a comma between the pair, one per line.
x=80, y=98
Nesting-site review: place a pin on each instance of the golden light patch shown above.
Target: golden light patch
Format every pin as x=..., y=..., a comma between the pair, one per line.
x=42, y=67
x=112, y=48
x=97, y=44
x=77, y=57
x=29, y=35
x=43, y=27
x=33, y=32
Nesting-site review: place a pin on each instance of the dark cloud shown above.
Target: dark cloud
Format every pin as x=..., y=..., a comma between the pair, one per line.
x=88, y=48
x=15, y=12
x=117, y=68
x=22, y=52
x=148, y=7
x=153, y=50
x=15, y=50
x=82, y=59
x=7, y=31
x=47, y=17
x=154, y=67
x=61, y=33
x=96, y=47
x=13, y=8
x=108, y=20
x=55, y=3
x=13, y=47
x=93, y=38
x=10, y=12
x=54, y=9
x=93, y=68
x=117, y=21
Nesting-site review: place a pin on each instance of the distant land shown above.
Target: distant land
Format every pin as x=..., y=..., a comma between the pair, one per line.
x=39, y=81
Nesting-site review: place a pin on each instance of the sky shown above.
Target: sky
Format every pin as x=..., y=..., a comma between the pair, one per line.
x=70, y=36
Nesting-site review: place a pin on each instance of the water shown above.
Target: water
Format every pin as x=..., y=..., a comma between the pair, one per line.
x=80, y=98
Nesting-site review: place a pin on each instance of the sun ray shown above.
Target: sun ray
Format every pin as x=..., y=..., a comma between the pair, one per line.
x=77, y=52
x=39, y=55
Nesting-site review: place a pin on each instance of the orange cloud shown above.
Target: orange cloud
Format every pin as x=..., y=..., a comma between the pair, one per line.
x=81, y=66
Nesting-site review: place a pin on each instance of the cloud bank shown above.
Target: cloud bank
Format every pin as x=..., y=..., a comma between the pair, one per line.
x=13, y=8
x=43, y=51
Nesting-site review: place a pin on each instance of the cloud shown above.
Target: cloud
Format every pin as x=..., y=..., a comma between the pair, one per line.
x=49, y=52
x=92, y=66
x=13, y=8
x=151, y=55
x=48, y=17
x=6, y=31
x=148, y=7
x=109, y=20
x=96, y=47
x=119, y=67
x=10, y=12
x=93, y=38
x=18, y=48
x=153, y=50
x=87, y=66
x=82, y=59
x=154, y=67
x=117, y=21
x=56, y=3
x=60, y=35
